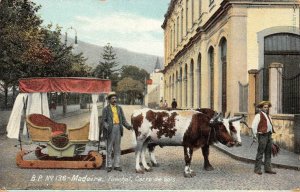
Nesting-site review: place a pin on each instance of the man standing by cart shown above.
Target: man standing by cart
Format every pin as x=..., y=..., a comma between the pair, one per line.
x=113, y=122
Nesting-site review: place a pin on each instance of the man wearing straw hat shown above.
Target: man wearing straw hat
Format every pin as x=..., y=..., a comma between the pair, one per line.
x=263, y=128
x=113, y=122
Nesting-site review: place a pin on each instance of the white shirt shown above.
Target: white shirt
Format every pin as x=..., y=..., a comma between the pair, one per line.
x=256, y=122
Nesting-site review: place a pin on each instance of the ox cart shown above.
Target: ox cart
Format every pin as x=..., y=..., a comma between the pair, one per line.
x=58, y=146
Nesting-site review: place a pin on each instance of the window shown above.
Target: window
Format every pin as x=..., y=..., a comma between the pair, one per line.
x=192, y=12
x=211, y=64
x=199, y=8
x=181, y=30
x=177, y=35
x=171, y=41
x=186, y=16
x=174, y=37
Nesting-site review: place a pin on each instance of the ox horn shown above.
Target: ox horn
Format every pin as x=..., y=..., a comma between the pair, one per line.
x=228, y=115
x=245, y=123
x=215, y=117
x=221, y=116
x=235, y=119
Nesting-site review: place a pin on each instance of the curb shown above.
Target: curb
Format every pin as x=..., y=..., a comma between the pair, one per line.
x=252, y=161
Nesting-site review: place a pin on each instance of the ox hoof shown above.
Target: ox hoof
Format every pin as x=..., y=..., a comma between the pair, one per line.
x=155, y=164
x=141, y=164
x=149, y=170
x=193, y=173
x=139, y=171
x=209, y=168
x=189, y=175
x=238, y=144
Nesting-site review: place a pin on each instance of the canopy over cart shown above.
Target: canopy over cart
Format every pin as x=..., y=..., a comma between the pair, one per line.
x=62, y=142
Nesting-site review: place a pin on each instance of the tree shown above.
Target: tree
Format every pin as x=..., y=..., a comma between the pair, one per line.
x=19, y=28
x=64, y=61
x=135, y=73
x=107, y=67
x=79, y=67
x=29, y=50
x=133, y=88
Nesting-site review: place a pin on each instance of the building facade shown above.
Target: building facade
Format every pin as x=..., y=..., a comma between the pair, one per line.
x=155, y=89
x=211, y=45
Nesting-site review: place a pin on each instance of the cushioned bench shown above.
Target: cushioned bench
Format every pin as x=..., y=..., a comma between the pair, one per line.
x=42, y=128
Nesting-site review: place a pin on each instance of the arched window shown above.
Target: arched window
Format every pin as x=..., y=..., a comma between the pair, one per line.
x=165, y=89
x=185, y=86
x=170, y=88
x=223, y=62
x=181, y=88
x=181, y=26
x=171, y=41
x=173, y=86
x=174, y=37
x=211, y=67
x=192, y=83
x=199, y=8
x=177, y=31
x=192, y=7
x=176, y=85
x=199, y=79
x=186, y=16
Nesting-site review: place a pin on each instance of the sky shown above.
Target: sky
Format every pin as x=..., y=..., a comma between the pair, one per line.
x=131, y=24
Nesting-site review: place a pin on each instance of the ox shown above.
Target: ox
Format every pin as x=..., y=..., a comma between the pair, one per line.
x=232, y=124
x=188, y=128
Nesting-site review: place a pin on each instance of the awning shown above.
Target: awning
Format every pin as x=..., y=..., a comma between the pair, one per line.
x=64, y=84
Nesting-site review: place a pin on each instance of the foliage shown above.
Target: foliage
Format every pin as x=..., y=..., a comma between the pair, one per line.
x=30, y=50
x=18, y=32
x=130, y=83
x=107, y=67
x=135, y=73
x=133, y=88
x=58, y=61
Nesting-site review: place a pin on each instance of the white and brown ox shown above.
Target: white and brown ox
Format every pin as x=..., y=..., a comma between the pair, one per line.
x=188, y=128
x=232, y=124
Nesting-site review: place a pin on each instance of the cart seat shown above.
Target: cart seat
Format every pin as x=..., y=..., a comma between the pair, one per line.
x=80, y=134
x=42, y=128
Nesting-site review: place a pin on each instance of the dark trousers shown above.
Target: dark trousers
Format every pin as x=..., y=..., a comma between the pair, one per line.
x=264, y=148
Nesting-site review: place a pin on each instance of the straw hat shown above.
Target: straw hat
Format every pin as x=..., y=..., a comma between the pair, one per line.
x=262, y=103
x=110, y=94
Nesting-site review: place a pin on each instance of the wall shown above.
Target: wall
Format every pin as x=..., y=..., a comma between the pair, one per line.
x=284, y=131
x=155, y=90
x=268, y=18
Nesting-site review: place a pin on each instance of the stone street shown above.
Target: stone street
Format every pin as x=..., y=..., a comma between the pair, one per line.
x=229, y=174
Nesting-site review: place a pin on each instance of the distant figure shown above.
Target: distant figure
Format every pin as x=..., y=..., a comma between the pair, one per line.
x=165, y=105
x=161, y=104
x=174, y=104
x=52, y=108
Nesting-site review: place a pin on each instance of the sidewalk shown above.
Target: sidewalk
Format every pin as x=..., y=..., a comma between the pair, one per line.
x=246, y=152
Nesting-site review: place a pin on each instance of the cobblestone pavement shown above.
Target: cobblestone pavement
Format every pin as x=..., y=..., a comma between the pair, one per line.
x=229, y=174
